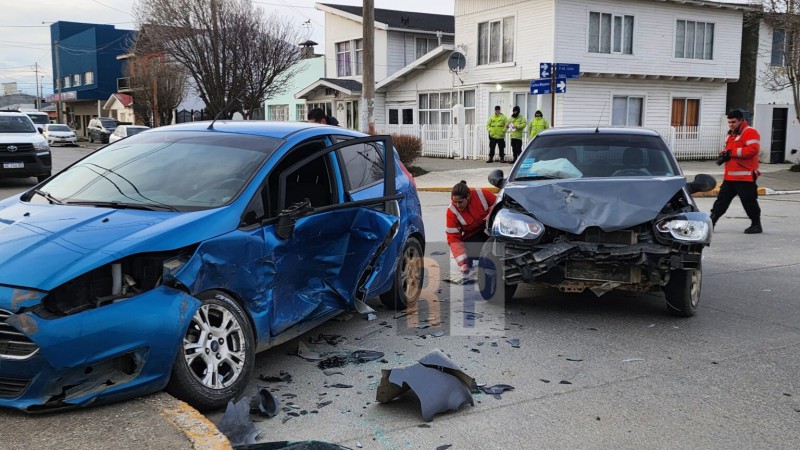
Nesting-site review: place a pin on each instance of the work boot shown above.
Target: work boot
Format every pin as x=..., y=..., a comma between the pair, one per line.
x=713, y=220
x=754, y=229
x=489, y=161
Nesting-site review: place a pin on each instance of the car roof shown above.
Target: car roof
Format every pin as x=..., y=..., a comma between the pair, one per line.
x=598, y=130
x=279, y=130
x=13, y=113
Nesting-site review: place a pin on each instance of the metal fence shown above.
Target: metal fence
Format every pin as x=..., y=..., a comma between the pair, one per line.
x=472, y=141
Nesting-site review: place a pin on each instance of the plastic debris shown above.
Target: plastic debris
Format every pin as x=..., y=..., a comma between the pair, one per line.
x=632, y=360
x=371, y=316
x=304, y=352
x=265, y=403
x=514, y=342
x=444, y=447
x=574, y=359
x=284, y=377
x=332, y=339
x=341, y=386
x=497, y=389
x=564, y=382
x=321, y=405
x=236, y=424
x=543, y=380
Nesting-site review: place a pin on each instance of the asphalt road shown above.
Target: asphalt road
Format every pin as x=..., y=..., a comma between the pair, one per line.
x=726, y=378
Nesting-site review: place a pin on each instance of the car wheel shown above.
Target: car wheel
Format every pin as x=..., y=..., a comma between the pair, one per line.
x=41, y=178
x=683, y=291
x=490, y=274
x=215, y=358
x=407, y=284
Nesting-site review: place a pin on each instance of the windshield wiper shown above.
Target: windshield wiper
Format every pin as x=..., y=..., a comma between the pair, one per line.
x=536, y=177
x=50, y=198
x=122, y=205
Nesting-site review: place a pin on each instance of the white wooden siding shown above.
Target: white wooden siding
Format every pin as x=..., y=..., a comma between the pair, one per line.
x=464, y=7
x=653, y=39
x=533, y=38
x=338, y=29
x=763, y=96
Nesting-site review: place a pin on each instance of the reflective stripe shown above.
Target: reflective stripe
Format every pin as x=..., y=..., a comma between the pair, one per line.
x=454, y=210
x=739, y=152
x=461, y=258
x=482, y=199
x=752, y=141
x=740, y=173
x=453, y=230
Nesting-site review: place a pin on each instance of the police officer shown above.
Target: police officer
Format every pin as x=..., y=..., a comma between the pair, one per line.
x=516, y=127
x=496, y=126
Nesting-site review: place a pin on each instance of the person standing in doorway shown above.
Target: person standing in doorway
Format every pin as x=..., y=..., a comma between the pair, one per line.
x=496, y=126
x=538, y=124
x=741, y=171
x=516, y=127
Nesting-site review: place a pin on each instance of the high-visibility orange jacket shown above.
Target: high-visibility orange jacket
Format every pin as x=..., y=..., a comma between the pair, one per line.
x=467, y=223
x=744, y=148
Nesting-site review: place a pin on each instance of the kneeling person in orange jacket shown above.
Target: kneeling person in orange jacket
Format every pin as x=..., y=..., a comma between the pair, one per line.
x=466, y=222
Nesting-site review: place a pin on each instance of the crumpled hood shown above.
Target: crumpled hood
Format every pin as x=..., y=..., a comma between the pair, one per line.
x=43, y=246
x=611, y=204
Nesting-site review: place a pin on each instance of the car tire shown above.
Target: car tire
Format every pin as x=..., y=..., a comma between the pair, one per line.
x=41, y=178
x=407, y=283
x=231, y=349
x=490, y=271
x=683, y=291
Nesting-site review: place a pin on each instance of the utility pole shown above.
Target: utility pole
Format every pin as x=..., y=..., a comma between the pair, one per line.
x=155, y=96
x=366, y=108
x=38, y=100
x=58, y=83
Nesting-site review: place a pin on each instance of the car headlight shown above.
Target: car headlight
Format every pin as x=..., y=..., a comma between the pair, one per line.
x=685, y=230
x=512, y=224
x=41, y=145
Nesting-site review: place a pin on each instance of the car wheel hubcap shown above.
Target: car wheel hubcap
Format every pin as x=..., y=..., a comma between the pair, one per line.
x=411, y=272
x=213, y=348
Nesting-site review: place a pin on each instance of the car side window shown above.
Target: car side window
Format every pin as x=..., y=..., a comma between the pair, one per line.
x=363, y=165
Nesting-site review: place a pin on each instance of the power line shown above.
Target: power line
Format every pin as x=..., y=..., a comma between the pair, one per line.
x=115, y=9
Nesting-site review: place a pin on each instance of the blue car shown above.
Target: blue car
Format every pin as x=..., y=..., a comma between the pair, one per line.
x=169, y=259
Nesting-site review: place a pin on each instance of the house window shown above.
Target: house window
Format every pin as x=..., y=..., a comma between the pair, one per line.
x=343, y=59
x=694, y=40
x=325, y=106
x=401, y=116
x=686, y=113
x=278, y=112
x=359, y=61
x=88, y=77
x=496, y=41
x=352, y=115
x=778, y=48
x=468, y=100
x=300, y=112
x=610, y=33
x=76, y=79
x=627, y=111
x=424, y=45
x=436, y=108
x=67, y=81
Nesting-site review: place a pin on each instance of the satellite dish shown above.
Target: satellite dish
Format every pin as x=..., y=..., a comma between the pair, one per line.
x=456, y=62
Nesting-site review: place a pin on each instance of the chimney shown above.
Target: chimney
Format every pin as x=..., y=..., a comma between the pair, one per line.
x=307, y=49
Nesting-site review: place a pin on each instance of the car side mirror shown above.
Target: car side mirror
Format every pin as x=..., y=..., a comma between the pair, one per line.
x=41, y=130
x=496, y=178
x=702, y=183
x=289, y=216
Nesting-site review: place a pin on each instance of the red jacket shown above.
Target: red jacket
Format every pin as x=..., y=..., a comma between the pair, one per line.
x=467, y=223
x=745, y=147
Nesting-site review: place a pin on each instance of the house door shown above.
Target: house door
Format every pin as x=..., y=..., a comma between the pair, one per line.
x=501, y=99
x=777, y=152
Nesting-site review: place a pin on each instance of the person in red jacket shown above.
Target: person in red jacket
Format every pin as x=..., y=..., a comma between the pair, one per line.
x=741, y=172
x=466, y=222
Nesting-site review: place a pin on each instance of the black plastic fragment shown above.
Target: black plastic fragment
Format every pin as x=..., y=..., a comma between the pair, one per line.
x=514, y=342
x=236, y=423
x=496, y=390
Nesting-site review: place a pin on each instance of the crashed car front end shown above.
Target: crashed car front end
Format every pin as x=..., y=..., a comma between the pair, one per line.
x=569, y=236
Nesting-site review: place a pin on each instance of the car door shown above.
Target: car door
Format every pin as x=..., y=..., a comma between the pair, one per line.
x=324, y=245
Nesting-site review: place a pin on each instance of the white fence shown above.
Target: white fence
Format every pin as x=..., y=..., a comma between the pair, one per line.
x=472, y=141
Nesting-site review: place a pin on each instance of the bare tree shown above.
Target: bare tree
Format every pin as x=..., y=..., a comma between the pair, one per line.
x=156, y=85
x=783, y=70
x=235, y=56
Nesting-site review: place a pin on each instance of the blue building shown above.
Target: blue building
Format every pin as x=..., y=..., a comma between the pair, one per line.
x=86, y=68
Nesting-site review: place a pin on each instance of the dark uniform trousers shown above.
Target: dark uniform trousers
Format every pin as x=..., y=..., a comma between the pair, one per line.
x=748, y=194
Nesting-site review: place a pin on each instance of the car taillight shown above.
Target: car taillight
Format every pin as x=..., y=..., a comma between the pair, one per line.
x=408, y=174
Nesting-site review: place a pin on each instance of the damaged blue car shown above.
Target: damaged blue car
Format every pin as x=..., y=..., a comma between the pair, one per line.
x=169, y=259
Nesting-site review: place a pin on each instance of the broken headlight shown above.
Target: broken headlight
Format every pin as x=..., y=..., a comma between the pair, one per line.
x=512, y=224
x=685, y=230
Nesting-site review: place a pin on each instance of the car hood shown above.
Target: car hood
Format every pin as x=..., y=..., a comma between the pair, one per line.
x=610, y=204
x=44, y=246
x=16, y=138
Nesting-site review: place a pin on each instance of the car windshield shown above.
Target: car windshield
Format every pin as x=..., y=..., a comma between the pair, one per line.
x=107, y=123
x=59, y=128
x=39, y=119
x=16, y=124
x=595, y=156
x=183, y=171
x=135, y=130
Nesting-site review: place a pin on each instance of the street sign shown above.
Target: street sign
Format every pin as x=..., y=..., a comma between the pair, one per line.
x=561, y=85
x=539, y=87
x=563, y=70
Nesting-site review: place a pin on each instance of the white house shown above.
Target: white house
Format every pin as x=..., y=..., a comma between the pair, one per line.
x=286, y=106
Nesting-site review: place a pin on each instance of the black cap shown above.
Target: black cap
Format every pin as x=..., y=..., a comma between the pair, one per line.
x=497, y=107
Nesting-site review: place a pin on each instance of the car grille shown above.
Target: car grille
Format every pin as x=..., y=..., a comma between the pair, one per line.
x=12, y=387
x=13, y=344
x=20, y=148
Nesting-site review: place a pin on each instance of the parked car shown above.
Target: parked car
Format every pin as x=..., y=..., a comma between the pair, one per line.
x=124, y=131
x=39, y=119
x=599, y=209
x=56, y=133
x=171, y=263
x=100, y=129
x=23, y=150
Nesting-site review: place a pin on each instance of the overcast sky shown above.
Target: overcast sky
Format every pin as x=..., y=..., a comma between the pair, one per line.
x=25, y=27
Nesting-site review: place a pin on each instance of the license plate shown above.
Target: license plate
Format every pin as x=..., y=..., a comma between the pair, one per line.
x=14, y=165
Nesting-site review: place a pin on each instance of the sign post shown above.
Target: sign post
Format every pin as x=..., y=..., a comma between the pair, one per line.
x=557, y=74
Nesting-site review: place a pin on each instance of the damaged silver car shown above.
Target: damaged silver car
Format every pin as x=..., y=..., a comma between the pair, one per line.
x=599, y=209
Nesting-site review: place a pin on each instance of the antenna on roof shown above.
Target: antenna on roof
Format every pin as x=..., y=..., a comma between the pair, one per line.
x=597, y=128
x=225, y=109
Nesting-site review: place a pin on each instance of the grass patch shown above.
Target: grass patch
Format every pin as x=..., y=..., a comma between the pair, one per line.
x=417, y=171
x=795, y=168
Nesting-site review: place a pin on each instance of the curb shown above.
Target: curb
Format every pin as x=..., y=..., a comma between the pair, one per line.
x=712, y=193
x=200, y=431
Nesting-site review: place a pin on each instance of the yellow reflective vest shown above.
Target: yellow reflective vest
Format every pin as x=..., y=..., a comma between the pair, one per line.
x=496, y=126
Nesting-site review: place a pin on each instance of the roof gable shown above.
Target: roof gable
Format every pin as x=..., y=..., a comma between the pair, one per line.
x=403, y=20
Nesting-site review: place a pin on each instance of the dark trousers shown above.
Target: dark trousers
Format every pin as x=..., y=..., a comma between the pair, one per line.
x=500, y=143
x=748, y=194
x=516, y=147
x=473, y=246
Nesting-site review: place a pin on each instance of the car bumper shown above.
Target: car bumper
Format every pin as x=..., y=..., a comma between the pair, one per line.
x=62, y=141
x=25, y=164
x=105, y=354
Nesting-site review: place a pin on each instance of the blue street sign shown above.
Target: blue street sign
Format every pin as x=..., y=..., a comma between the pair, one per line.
x=563, y=70
x=561, y=85
x=539, y=87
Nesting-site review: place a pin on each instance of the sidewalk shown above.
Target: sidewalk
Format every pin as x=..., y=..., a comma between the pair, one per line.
x=444, y=173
